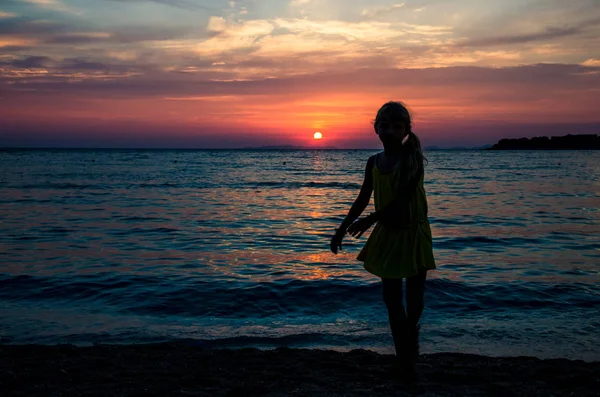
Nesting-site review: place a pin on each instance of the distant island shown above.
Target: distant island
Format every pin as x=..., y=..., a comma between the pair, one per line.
x=579, y=142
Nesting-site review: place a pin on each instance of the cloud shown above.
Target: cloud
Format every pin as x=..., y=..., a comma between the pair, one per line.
x=55, y=5
x=549, y=33
x=466, y=80
x=595, y=63
x=23, y=31
x=32, y=62
x=379, y=11
x=28, y=26
x=508, y=55
x=55, y=70
x=230, y=36
x=363, y=31
x=82, y=64
x=284, y=37
x=7, y=14
x=16, y=44
x=544, y=35
x=50, y=65
x=426, y=30
x=184, y=4
x=149, y=33
x=78, y=37
x=234, y=48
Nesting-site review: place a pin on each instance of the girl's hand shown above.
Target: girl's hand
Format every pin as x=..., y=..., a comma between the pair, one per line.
x=336, y=241
x=360, y=226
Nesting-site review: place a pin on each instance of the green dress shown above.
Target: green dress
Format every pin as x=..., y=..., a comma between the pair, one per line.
x=398, y=250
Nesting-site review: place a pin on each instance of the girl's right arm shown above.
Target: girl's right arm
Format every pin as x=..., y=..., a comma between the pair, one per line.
x=362, y=201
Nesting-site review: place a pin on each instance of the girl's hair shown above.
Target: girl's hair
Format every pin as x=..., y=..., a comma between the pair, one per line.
x=412, y=160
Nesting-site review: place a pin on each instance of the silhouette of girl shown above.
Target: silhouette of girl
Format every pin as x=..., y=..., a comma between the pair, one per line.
x=400, y=245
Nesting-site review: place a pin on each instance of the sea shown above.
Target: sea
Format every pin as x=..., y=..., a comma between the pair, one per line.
x=230, y=248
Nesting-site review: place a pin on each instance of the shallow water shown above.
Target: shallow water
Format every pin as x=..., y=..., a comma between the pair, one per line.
x=230, y=248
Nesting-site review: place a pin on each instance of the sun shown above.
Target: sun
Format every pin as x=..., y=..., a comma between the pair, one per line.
x=318, y=135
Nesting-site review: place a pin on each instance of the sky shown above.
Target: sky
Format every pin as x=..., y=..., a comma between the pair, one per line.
x=221, y=74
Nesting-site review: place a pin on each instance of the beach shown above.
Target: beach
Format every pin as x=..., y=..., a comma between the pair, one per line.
x=178, y=369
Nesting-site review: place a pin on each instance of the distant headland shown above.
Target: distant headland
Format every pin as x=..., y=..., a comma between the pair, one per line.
x=568, y=142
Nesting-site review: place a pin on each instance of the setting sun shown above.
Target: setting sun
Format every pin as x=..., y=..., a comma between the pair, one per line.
x=318, y=135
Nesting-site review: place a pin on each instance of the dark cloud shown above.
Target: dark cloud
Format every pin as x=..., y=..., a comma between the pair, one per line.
x=547, y=34
x=184, y=4
x=13, y=49
x=29, y=26
x=54, y=32
x=82, y=64
x=149, y=33
x=32, y=62
x=74, y=39
x=550, y=33
x=543, y=78
x=122, y=36
x=65, y=66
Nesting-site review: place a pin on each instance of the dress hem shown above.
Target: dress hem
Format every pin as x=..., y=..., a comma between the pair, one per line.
x=419, y=268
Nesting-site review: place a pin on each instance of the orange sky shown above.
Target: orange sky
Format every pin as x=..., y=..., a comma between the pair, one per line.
x=182, y=74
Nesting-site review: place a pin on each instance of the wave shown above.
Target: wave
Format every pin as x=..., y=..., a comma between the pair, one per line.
x=187, y=185
x=483, y=243
x=107, y=186
x=138, y=336
x=59, y=185
x=203, y=298
x=298, y=185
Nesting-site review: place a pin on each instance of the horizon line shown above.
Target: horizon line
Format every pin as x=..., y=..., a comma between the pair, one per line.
x=220, y=148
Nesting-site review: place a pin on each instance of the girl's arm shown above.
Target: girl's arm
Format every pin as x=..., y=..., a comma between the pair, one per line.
x=362, y=201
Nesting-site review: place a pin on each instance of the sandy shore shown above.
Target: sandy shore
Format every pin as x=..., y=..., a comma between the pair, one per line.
x=172, y=369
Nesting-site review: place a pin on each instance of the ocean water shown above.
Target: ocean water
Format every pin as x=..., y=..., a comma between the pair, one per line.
x=231, y=248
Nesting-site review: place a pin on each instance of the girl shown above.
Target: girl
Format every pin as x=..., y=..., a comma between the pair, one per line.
x=400, y=245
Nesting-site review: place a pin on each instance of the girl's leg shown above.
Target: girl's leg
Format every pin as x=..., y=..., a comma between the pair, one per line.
x=415, y=303
x=392, y=296
x=415, y=297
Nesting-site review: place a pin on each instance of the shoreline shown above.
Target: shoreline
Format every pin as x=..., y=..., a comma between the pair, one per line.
x=177, y=369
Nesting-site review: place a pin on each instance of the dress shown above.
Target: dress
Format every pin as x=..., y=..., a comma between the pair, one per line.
x=401, y=249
